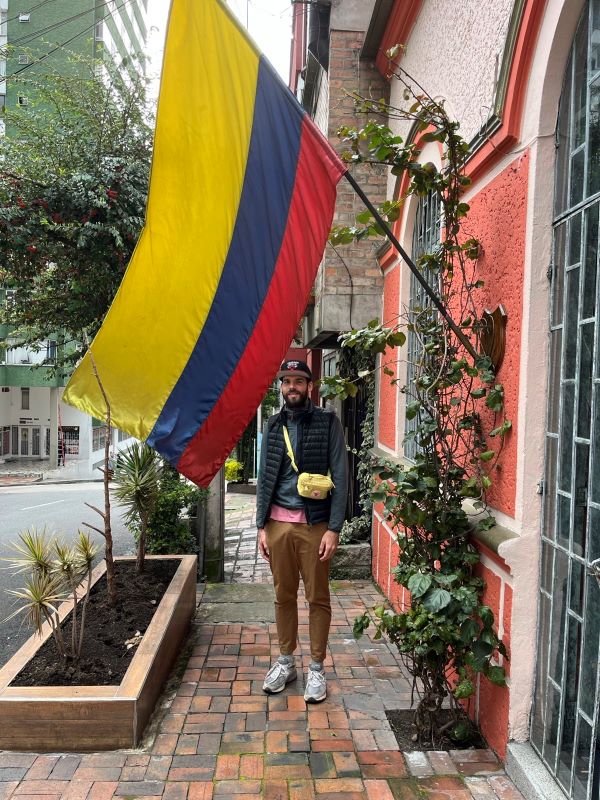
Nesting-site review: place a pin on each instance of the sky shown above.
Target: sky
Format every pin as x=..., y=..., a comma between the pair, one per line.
x=269, y=23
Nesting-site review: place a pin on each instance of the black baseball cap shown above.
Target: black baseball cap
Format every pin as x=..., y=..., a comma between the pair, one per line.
x=294, y=368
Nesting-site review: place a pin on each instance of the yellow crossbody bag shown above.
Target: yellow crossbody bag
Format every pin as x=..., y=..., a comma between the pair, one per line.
x=314, y=486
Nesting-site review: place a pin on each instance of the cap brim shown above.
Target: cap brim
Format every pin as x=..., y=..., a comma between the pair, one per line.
x=293, y=373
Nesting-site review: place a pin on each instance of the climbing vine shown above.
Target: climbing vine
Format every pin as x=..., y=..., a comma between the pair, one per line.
x=444, y=632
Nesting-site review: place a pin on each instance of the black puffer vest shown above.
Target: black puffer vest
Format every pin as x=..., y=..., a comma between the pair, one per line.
x=312, y=455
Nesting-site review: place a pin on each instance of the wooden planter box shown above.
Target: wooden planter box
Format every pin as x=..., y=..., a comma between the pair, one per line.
x=79, y=718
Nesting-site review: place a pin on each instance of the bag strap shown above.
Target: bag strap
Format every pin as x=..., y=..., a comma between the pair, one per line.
x=288, y=444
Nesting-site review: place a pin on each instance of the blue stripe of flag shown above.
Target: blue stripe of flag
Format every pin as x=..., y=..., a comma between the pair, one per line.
x=256, y=241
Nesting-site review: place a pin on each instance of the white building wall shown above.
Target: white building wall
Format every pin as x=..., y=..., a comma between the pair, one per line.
x=471, y=43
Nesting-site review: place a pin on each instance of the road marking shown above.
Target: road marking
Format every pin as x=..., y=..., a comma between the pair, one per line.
x=53, y=503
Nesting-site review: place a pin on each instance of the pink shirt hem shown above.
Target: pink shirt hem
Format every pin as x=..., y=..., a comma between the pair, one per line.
x=280, y=514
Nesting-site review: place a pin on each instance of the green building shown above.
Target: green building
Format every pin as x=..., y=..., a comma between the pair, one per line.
x=38, y=36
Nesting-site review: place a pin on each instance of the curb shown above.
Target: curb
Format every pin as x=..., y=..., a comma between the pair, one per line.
x=41, y=480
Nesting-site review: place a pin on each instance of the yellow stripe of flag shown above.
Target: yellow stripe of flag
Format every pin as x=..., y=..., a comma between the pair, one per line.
x=203, y=130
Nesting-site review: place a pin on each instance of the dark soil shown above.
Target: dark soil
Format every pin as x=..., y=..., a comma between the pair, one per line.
x=105, y=656
x=401, y=723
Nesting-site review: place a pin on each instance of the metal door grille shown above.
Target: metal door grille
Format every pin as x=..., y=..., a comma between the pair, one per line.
x=426, y=238
x=565, y=716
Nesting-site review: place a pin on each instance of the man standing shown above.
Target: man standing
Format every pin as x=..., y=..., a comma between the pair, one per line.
x=298, y=535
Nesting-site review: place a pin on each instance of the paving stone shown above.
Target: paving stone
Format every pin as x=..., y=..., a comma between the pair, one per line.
x=504, y=788
x=338, y=785
x=378, y=790
x=8, y=774
x=209, y=743
x=176, y=791
x=158, y=768
x=418, y=764
x=252, y=766
x=41, y=787
x=232, y=788
x=275, y=790
x=480, y=789
x=147, y=788
x=104, y=760
x=102, y=790
x=200, y=790
x=405, y=789
x=83, y=773
x=17, y=760
x=301, y=790
x=7, y=788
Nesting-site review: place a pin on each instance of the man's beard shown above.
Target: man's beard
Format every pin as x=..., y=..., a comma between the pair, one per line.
x=297, y=400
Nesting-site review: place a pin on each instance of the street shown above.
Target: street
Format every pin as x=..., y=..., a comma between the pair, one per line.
x=61, y=509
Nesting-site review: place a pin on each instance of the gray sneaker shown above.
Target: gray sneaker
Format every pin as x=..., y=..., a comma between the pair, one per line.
x=278, y=677
x=316, y=686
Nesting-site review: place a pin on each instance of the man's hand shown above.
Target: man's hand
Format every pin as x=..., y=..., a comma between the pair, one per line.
x=262, y=544
x=329, y=544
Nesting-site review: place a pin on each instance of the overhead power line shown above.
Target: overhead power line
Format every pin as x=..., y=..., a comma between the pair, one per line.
x=37, y=34
x=67, y=42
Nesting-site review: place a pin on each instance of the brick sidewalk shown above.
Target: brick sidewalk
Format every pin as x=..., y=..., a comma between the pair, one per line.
x=222, y=737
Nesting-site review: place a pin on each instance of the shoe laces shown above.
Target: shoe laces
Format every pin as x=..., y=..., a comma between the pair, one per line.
x=277, y=669
x=316, y=677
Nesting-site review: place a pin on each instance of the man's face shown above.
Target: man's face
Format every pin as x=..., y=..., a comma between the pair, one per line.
x=295, y=391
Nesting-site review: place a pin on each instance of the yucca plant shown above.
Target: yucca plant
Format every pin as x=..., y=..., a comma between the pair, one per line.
x=39, y=599
x=136, y=488
x=55, y=572
x=34, y=552
x=85, y=551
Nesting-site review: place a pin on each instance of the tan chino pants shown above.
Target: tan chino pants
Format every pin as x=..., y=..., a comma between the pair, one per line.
x=294, y=549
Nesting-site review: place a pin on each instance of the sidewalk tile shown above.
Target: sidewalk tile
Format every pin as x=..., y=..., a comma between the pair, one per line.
x=378, y=790
x=7, y=788
x=102, y=790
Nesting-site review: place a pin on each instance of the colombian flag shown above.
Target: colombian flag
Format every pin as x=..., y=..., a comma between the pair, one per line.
x=241, y=200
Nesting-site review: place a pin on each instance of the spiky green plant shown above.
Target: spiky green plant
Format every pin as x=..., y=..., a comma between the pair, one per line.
x=55, y=572
x=33, y=553
x=85, y=551
x=42, y=592
x=68, y=569
x=136, y=488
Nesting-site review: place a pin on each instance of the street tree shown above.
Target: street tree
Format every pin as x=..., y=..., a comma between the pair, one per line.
x=74, y=170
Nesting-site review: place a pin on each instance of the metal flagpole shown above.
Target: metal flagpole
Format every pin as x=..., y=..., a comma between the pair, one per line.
x=413, y=268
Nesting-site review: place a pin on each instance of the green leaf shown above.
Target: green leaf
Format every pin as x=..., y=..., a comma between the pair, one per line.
x=482, y=650
x=487, y=455
x=469, y=630
x=495, y=398
x=487, y=616
x=486, y=524
x=477, y=393
x=436, y=599
x=418, y=584
x=464, y=689
x=444, y=579
x=397, y=339
x=502, y=429
x=360, y=625
x=412, y=409
x=496, y=675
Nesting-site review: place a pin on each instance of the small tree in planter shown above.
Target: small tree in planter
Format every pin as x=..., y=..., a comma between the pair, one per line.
x=167, y=531
x=446, y=635
x=54, y=572
x=136, y=488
